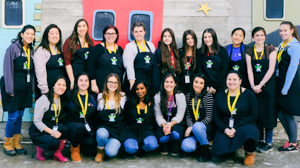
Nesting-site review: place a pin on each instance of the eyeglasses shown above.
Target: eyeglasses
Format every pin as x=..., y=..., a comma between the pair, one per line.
x=110, y=34
x=112, y=83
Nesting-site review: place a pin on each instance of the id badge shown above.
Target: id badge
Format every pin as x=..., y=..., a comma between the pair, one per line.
x=87, y=127
x=187, y=78
x=28, y=77
x=277, y=72
x=55, y=128
x=231, y=122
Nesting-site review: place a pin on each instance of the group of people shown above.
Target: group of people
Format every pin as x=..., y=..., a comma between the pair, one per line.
x=102, y=98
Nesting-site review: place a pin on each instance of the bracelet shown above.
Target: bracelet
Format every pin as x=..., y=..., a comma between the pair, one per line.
x=252, y=86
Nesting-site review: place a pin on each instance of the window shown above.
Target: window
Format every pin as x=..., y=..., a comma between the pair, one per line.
x=141, y=16
x=13, y=13
x=274, y=9
x=101, y=19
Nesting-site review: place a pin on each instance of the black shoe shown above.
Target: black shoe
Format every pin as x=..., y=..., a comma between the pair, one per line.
x=163, y=148
x=21, y=151
x=259, y=145
x=10, y=152
x=266, y=148
x=142, y=153
x=175, y=149
x=204, y=153
x=288, y=148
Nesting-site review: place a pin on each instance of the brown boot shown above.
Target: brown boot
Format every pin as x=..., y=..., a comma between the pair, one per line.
x=100, y=155
x=9, y=146
x=17, y=145
x=75, y=154
x=249, y=159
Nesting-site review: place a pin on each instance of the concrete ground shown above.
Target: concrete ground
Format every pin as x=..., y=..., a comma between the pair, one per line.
x=272, y=159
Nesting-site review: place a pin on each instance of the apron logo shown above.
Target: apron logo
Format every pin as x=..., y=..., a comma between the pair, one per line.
x=112, y=117
x=114, y=61
x=236, y=67
x=187, y=65
x=81, y=115
x=209, y=64
x=139, y=120
x=258, y=67
x=53, y=118
x=234, y=111
x=25, y=65
x=86, y=55
x=60, y=62
x=147, y=59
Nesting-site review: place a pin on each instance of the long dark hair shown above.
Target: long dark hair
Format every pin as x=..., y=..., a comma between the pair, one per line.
x=64, y=98
x=110, y=27
x=135, y=100
x=74, y=38
x=204, y=90
x=215, y=47
x=20, y=39
x=185, y=47
x=295, y=34
x=45, y=42
x=166, y=55
x=163, y=93
x=75, y=91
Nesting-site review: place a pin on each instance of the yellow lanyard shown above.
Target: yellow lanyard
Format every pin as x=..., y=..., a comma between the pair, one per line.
x=84, y=110
x=28, y=56
x=196, y=112
x=138, y=109
x=86, y=45
x=109, y=49
x=281, y=49
x=255, y=53
x=58, y=52
x=55, y=110
x=144, y=50
x=231, y=108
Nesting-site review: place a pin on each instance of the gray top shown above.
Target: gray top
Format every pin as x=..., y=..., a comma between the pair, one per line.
x=129, y=55
x=41, y=106
x=181, y=107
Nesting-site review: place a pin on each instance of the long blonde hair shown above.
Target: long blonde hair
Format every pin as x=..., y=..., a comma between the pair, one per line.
x=118, y=93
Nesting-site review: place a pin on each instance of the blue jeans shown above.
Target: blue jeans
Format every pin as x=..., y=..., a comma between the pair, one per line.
x=110, y=145
x=190, y=144
x=14, y=123
x=149, y=144
x=175, y=136
x=268, y=132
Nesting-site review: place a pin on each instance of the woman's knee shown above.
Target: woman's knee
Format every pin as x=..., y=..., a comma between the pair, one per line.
x=131, y=146
x=150, y=143
x=102, y=133
x=112, y=147
x=175, y=136
x=199, y=126
x=189, y=144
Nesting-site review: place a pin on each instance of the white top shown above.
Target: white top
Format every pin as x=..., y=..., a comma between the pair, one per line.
x=111, y=104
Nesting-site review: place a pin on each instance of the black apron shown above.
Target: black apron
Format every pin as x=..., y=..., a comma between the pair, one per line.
x=143, y=65
x=107, y=64
x=289, y=103
x=179, y=127
x=22, y=89
x=139, y=126
x=267, y=114
x=76, y=120
x=43, y=139
x=79, y=63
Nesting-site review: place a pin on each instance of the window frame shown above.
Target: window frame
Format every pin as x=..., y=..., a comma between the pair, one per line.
x=23, y=16
x=149, y=13
x=94, y=14
x=265, y=11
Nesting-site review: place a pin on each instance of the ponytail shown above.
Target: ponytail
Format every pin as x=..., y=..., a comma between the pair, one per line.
x=295, y=34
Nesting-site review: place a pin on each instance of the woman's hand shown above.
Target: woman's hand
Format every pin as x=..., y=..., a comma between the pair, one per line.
x=212, y=90
x=188, y=131
x=167, y=128
x=95, y=88
x=257, y=89
x=229, y=132
x=12, y=95
x=56, y=134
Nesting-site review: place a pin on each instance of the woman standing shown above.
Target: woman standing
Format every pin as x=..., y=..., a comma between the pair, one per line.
x=48, y=60
x=17, y=86
x=105, y=58
x=80, y=116
x=188, y=56
x=110, y=123
x=167, y=55
x=169, y=108
x=213, y=61
x=48, y=131
x=138, y=58
x=235, y=114
x=139, y=134
x=76, y=50
x=261, y=62
x=198, y=118
x=237, y=54
x=288, y=88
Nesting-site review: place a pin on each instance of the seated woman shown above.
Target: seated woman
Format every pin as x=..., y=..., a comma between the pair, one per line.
x=140, y=121
x=47, y=131
x=110, y=118
x=235, y=114
x=198, y=118
x=169, y=108
x=80, y=114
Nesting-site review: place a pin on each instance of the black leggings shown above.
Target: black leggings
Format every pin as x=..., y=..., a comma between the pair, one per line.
x=250, y=145
x=54, y=144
